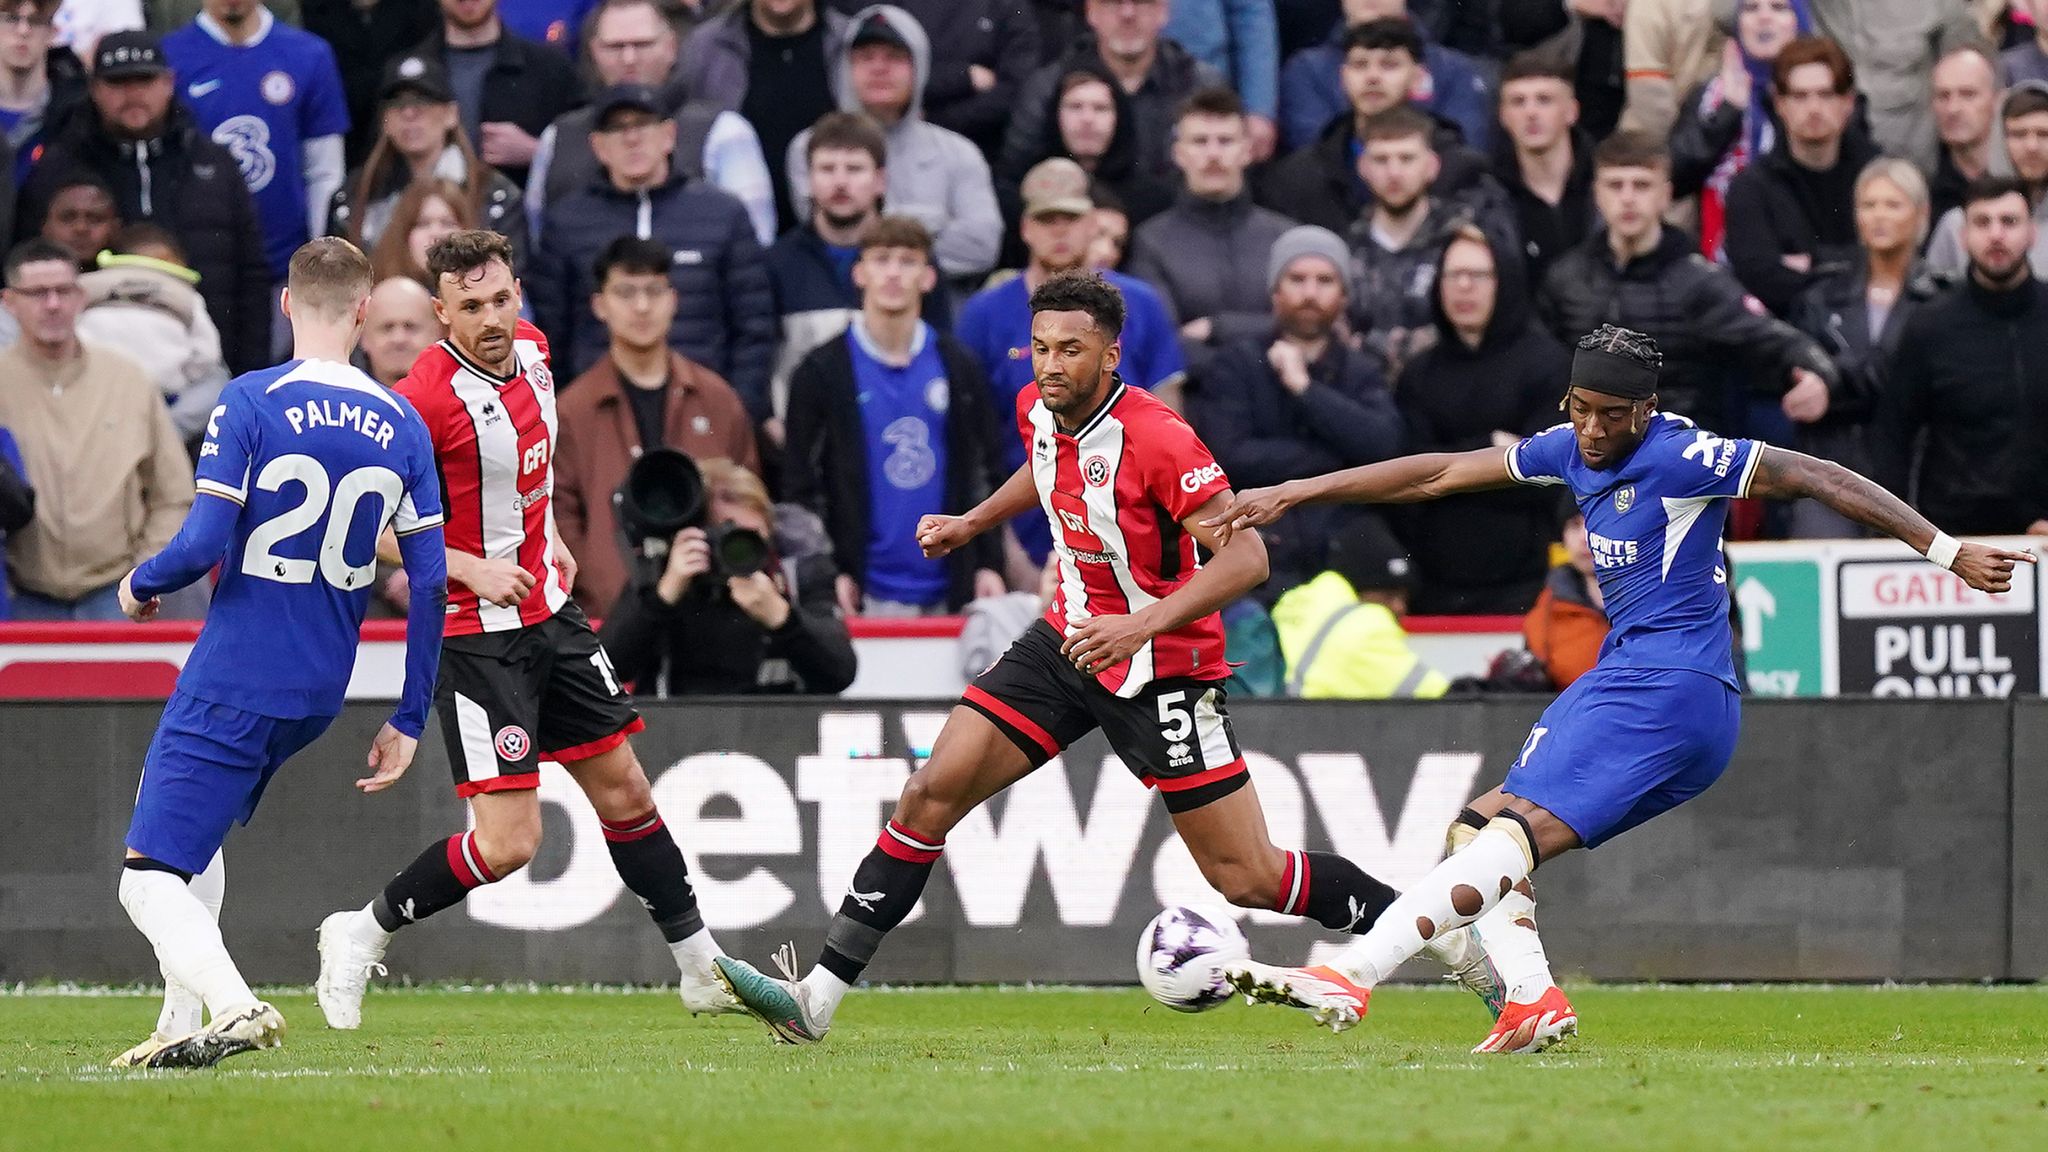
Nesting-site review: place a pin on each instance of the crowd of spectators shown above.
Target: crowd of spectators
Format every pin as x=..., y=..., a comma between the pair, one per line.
x=794, y=239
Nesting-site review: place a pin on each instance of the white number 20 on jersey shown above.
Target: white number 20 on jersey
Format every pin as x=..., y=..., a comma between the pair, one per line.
x=337, y=501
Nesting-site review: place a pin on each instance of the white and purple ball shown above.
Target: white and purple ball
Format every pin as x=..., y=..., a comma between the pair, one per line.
x=1185, y=955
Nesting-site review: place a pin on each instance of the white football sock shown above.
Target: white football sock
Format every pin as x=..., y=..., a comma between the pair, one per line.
x=823, y=992
x=183, y=1011
x=695, y=952
x=1455, y=893
x=364, y=927
x=1508, y=931
x=187, y=941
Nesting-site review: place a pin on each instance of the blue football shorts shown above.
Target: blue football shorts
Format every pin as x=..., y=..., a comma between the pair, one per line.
x=206, y=769
x=1622, y=745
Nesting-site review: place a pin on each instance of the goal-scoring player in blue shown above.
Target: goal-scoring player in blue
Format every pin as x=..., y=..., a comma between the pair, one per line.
x=1654, y=723
x=303, y=465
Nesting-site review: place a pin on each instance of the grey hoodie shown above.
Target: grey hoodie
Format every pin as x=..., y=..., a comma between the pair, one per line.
x=936, y=175
x=1945, y=254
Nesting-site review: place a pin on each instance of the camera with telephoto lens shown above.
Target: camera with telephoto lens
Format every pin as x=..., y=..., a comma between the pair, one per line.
x=663, y=494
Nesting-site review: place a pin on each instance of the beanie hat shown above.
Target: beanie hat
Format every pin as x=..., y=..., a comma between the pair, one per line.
x=1308, y=240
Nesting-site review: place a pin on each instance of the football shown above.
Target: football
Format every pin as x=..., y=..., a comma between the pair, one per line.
x=1184, y=954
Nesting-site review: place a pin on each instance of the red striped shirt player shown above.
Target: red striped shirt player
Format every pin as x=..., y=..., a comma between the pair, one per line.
x=1132, y=645
x=523, y=677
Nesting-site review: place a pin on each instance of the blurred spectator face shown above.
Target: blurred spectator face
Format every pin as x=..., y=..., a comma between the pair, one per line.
x=83, y=219
x=632, y=44
x=1376, y=79
x=2026, y=141
x=882, y=76
x=134, y=106
x=1057, y=240
x=784, y=13
x=1578, y=553
x=1112, y=239
x=1358, y=12
x=1212, y=153
x=634, y=147
x=1538, y=111
x=1468, y=284
x=1887, y=220
x=1126, y=30
x=46, y=299
x=418, y=127
x=1308, y=299
x=893, y=280
x=1813, y=112
x=24, y=37
x=468, y=15
x=637, y=308
x=846, y=185
x=232, y=13
x=1765, y=26
x=731, y=508
x=398, y=325
x=437, y=219
x=1632, y=200
x=1398, y=171
x=1997, y=234
x=1965, y=99
x=1087, y=120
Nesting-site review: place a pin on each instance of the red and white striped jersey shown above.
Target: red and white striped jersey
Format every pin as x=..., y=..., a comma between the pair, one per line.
x=1116, y=492
x=494, y=442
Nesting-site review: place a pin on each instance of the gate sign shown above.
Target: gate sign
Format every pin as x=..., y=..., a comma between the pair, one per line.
x=1780, y=607
x=1910, y=629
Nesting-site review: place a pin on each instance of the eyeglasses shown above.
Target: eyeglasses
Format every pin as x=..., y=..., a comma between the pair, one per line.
x=56, y=293
x=26, y=21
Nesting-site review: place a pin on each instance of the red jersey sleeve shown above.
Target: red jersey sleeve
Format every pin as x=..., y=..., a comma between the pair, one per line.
x=1027, y=399
x=1181, y=473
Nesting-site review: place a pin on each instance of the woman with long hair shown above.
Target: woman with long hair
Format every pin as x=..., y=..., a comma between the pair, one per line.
x=421, y=139
x=426, y=211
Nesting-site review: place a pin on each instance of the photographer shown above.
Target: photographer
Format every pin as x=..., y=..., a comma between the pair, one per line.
x=732, y=607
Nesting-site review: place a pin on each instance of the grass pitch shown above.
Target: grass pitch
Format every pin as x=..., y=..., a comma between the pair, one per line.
x=1054, y=1070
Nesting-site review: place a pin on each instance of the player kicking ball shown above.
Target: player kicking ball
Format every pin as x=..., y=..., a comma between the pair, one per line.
x=522, y=675
x=1654, y=723
x=1132, y=645
x=303, y=466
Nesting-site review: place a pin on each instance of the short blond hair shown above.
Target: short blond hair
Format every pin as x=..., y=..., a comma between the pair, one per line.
x=328, y=276
x=724, y=479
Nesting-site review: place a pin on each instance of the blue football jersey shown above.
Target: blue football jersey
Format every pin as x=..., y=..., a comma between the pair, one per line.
x=262, y=101
x=1654, y=522
x=321, y=458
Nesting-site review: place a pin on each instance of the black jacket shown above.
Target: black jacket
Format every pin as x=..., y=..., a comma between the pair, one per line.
x=1154, y=106
x=529, y=85
x=1834, y=311
x=364, y=41
x=825, y=465
x=1143, y=194
x=1209, y=260
x=1548, y=231
x=704, y=645
x=1697, y=314
x=725, y=314
x=1962, y=425
x=1483, y=552
x=192, y=187
x=1320, y=184
x=1773, y=212
x=1000, y=35
x=1700, y=139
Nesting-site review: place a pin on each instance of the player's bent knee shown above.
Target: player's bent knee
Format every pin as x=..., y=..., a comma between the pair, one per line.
x=510, y=846
x=1245, y=883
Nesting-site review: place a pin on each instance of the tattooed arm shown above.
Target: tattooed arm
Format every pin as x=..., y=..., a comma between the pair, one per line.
x=1785, y=475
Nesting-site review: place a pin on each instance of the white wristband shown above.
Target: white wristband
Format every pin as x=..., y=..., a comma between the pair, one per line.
x=1942, y=551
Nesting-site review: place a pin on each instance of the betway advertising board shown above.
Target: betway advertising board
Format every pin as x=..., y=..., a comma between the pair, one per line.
x=1829, y=618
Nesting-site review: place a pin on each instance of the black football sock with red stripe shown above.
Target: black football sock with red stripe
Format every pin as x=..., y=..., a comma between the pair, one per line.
x=652, y=866
x=439, y=879
x=885, y=888
x=1331, y=891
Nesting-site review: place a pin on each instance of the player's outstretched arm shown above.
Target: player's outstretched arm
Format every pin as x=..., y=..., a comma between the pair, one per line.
x=1405, y=480
x=1236, y=565
x=1786, y=475
x=939, y=535
x=423, y=554
x=201, y=541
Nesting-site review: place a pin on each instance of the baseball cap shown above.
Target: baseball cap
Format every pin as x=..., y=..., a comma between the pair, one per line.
x=1368, y=556
x=120, y=55
x=419, y=74
x=627, y=98
x=1056, y=187
x=876, y=28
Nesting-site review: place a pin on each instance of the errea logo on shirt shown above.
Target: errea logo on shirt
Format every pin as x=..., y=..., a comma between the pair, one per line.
x=1193, y=479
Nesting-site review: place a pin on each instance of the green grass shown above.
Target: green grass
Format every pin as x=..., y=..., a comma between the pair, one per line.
x=1055, y=1070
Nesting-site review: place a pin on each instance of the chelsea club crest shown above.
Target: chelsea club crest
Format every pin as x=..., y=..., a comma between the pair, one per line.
x=1625, y=499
